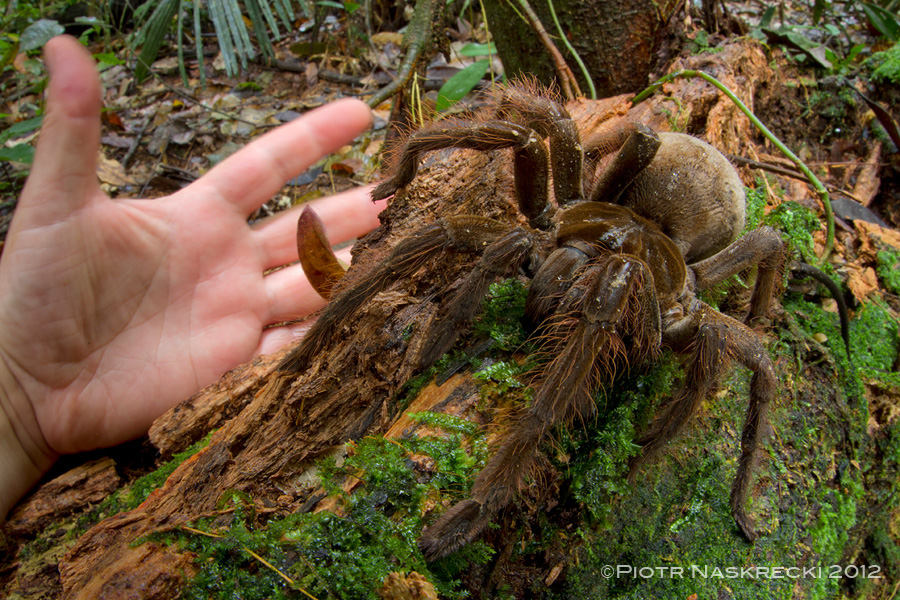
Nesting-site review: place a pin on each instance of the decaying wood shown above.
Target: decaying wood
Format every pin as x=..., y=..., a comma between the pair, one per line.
x=84, y=485
x=213, y=406
x=271, y=428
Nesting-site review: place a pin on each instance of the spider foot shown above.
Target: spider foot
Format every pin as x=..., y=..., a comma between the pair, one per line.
x=456, y=528
x=744, y=522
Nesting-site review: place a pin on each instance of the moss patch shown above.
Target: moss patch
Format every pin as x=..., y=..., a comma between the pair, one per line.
x=347, y=553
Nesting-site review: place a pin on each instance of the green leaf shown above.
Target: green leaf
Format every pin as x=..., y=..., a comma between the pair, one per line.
x=461, y=84
x=39, y=33
x=818, y=9
x=767, y=17
x=478, y=50
x=786, y=36
x=21, y=127
x=23, y=153
x=226, y=47
x=885, y=22
x=158, y=25
x=108, y=59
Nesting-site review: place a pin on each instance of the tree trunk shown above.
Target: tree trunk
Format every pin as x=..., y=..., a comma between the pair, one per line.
x=616, y=39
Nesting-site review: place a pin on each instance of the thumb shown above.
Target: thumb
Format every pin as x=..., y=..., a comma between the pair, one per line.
x=64, y=176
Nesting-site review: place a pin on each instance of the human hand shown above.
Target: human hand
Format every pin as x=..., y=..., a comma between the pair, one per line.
x=112, y=311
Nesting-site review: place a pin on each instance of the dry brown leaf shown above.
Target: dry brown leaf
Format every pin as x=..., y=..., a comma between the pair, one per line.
x=868, y=182
x=111, y=172
x=869, y=233
x=383, y=37
x=862, y=281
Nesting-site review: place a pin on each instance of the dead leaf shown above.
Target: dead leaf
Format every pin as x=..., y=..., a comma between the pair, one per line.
x=312, y=74
x=166, y=65
x=870, y=235
x=346, y=168
x=868, y=182
x=117, y=141
x=19, y=63
x=113, y=119
x=111, y=172
x=861, y=281
x=383, y=37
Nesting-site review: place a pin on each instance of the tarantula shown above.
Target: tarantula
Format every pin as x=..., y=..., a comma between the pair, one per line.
x=615, y=265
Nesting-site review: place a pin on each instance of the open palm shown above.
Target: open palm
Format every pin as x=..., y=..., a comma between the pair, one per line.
x=112, y=311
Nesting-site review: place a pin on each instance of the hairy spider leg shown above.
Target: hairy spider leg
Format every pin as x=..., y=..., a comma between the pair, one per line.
x=637, y=145
x=551, y=120
x=464, y=232
x=719, y=340
x=500, y=258
x=529, y=160
x=604, y=305
x=552, y=280
x=762, y=247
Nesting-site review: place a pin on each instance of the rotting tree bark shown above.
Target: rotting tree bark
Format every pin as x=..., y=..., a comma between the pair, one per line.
x=271, y=430
x=617, y=40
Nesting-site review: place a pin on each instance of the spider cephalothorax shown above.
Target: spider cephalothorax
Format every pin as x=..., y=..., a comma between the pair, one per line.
x=615, y=261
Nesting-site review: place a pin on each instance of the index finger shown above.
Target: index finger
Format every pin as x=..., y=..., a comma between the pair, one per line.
x=252, y=175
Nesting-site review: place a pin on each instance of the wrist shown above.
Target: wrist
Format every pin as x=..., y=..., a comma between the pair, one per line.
x=24, y=455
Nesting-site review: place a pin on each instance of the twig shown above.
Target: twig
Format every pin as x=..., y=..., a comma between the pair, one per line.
x=785, y=172
x=820, y=189
x=575, y=55
x=293, y=66
x=134, y=145
x=32, y=89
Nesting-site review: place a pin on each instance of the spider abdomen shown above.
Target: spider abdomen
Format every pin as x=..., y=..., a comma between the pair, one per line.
x=694, y=194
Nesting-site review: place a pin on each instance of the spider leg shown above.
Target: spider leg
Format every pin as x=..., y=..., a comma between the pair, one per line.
x=762, y=246
x=550, y=119
x=602, y=306
x=529, y=162
x=501, y=257
x=466, y=233
x=552, y=280
x=720, y=339
x=637, y=145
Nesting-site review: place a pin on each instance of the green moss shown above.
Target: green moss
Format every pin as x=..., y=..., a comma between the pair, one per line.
x=814, y=490
x=500, y=378
x=873, y=341
x=888, y=269
x=501, y=315
x=886, y=65
x=602, y=450
x=124, y=499
x=756, y=205
x=798, y=224
x=345, y=555
x=672, y=535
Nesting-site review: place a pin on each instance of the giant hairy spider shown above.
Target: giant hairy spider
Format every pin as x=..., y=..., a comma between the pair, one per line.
x=615, y=266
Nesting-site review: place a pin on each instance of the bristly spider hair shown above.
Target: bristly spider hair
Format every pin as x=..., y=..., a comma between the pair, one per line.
x=615, y=261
